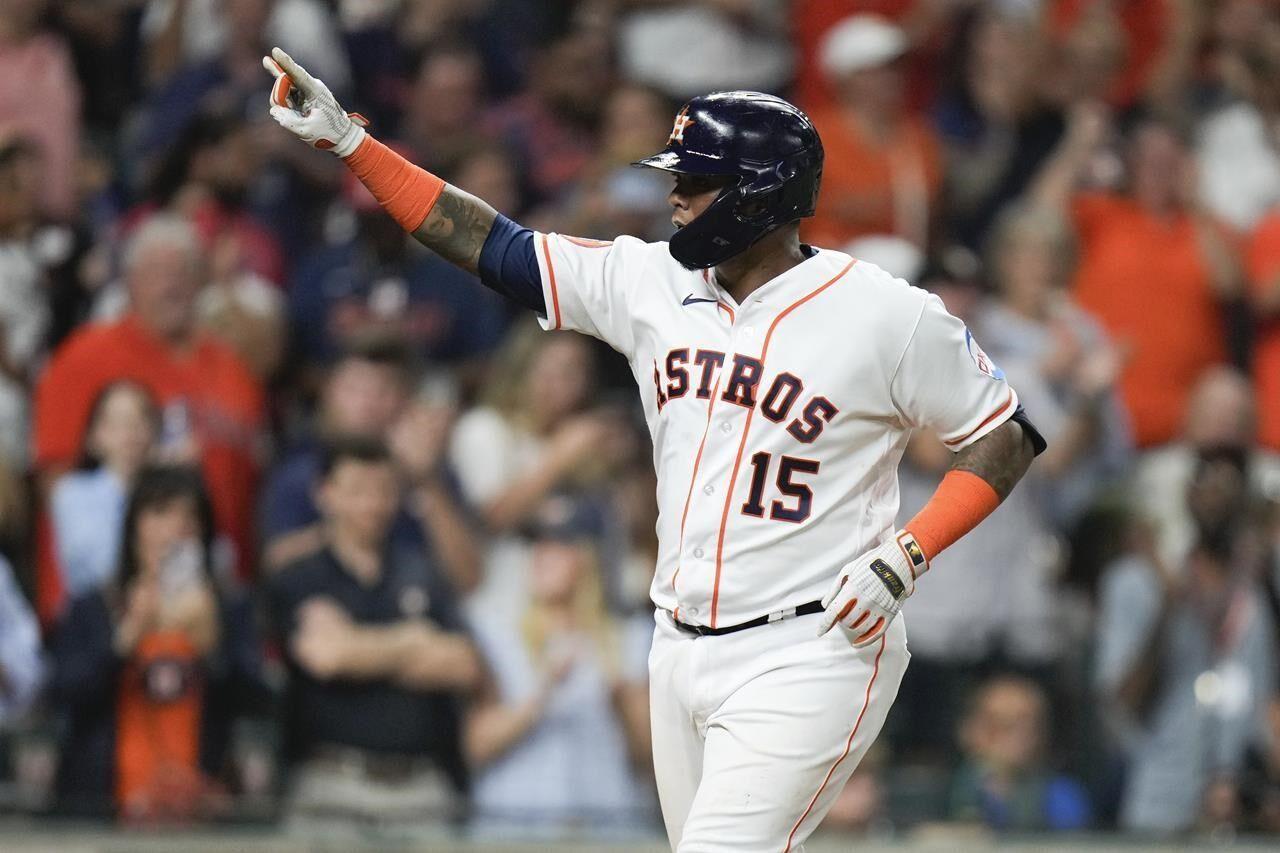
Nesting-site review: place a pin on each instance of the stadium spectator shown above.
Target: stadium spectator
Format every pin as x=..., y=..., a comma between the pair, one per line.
x=87, y=505
x=1155, y=268
x=1186, y=659
x=552, y=126
x=443, y=110
x=534, y=434
x=1003, y=782
x=21, y=666
x=882, y=172
x=1221, y=415
x=205, y=177
x=1064, y=370
x=376, y=657
x=1236, y=156
x=143, y=666
x=382, y=282
x=1125, y=52
x=370, y=393
x=564, y=674
x=212, y=407
x=995, y=129
x=613, y=198
x=40, y=98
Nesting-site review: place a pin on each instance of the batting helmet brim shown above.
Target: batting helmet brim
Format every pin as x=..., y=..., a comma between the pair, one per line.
x=691, y=163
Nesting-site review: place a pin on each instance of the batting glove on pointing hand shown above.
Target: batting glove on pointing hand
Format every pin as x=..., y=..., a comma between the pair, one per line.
x=305, y=107
x=870, y=591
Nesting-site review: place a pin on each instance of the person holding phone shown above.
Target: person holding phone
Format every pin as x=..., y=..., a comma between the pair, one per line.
x=135, y=661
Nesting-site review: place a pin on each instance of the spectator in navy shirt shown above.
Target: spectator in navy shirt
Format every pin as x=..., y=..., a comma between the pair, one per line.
x=376, y=658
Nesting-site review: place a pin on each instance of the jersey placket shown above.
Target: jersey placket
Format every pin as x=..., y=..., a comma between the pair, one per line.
x=709, y=510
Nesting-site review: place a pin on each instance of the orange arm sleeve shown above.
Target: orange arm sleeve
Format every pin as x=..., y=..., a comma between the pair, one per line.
x=962, y=501
x=405, y=191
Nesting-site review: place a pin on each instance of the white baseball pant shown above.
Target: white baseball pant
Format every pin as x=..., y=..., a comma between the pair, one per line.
x=756, y=732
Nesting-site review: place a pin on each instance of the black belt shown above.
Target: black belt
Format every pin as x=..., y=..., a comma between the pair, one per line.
x=777, y=616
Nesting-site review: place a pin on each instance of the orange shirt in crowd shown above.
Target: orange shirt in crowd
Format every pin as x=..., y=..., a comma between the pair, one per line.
x=870, y=187
x=158, y=717
x=220, y=400
x=1147, y=283
x=1264, y=268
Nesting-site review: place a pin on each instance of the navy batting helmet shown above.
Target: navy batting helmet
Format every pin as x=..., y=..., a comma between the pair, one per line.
x=768, y=145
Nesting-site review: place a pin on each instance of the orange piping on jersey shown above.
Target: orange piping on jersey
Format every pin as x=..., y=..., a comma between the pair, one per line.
x=866, y=700
x=727, y=310
x=693, y=478
x=551, y=275
x=997, y=413
x=746, y=428
x=587, y=242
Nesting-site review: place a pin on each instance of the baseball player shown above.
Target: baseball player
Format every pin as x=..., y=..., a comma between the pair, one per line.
x=781, y=383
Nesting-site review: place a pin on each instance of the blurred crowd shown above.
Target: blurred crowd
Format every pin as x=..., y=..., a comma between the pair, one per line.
x=298, y=523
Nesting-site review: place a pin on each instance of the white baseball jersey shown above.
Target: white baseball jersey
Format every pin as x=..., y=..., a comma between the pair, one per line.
x=778, y=423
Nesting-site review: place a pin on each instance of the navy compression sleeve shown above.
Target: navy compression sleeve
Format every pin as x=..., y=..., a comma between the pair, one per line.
x=509, y=264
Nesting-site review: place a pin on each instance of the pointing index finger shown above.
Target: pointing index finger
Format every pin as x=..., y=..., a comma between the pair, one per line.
x=301, y=78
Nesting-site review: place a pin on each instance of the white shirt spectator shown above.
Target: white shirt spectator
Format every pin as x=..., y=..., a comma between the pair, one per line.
x=548, y=783
x=1211, y=692
x=88, y=510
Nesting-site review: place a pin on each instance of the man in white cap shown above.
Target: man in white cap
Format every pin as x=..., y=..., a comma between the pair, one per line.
x=883, y=165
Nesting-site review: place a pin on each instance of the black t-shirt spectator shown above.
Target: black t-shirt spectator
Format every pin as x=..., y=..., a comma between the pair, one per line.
x=373, y=715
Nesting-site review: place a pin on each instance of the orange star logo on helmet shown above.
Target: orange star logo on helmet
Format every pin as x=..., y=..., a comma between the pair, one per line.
x=677, y=131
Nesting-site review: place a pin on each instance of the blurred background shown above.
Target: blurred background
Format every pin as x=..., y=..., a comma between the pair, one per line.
x=306, y=536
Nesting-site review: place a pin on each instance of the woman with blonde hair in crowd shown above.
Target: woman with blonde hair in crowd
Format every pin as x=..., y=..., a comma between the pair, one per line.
x=534, y=432
x=564, y=675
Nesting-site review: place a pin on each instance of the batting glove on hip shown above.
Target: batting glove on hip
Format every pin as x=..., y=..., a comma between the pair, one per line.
x=305, y=107
x=869, y=592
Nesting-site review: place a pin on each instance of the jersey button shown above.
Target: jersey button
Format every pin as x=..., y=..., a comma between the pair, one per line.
x=749, y=331
x=698, y=552
x=708, y=490
x=726, y=427
x=693, y=611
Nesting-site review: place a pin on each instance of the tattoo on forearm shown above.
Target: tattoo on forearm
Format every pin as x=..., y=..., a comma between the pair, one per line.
x=1000, y=458
x=457, y=227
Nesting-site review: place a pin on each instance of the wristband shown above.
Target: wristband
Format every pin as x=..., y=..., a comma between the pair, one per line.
x=962, y=501
x=407, y=192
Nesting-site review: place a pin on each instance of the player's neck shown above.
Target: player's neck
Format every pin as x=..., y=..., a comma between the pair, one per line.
x=762, y=262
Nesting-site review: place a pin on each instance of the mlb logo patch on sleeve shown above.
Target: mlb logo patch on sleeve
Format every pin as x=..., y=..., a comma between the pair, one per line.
x=980, y=358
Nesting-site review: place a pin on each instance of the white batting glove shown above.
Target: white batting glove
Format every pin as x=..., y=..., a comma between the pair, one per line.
x=869, y=592
x=305, y=107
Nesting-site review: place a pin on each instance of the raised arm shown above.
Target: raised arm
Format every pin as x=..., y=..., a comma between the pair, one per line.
x=456, y=225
